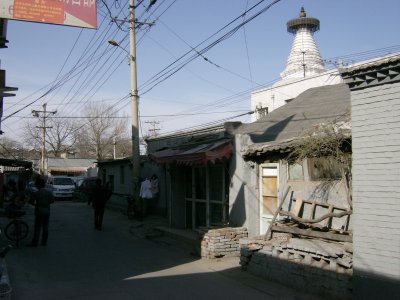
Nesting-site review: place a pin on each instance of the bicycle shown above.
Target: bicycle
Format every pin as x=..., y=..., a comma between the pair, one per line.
x=17, y=229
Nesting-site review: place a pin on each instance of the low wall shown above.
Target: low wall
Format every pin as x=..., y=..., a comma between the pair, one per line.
x=222, y=242
x=314, y=266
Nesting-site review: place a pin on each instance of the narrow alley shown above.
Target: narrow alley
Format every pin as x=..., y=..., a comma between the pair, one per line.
x=125, y=260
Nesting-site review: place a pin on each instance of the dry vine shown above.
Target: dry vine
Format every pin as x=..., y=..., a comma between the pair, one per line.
x=331, y=140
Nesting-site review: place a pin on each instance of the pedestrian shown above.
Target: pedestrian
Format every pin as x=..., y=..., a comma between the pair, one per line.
x=42, y=200
x=155, y=192
x=145, y=196
x=99, y=197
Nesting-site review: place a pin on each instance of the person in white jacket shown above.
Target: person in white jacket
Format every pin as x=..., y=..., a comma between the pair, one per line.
x=145, y=196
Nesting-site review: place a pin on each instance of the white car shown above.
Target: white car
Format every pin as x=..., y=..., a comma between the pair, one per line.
x=62, y=186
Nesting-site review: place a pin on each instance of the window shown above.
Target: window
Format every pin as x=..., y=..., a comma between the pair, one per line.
x=200, y=214
x=295, y=171
x=200, y=182
x=261, y=112
x=188, y=183
x=205, y=192
x=216, y=214
x=63, y=181
x=322, y=168
x=216, y=175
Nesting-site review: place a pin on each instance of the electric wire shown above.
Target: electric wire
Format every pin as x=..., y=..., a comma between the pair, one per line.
x=173, y=68
x=247, y=47
x=365, y=54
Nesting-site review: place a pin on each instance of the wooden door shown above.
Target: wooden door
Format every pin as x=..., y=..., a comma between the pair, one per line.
x=268, y=195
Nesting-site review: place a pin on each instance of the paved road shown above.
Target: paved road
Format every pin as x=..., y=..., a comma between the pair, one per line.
x=119, y=262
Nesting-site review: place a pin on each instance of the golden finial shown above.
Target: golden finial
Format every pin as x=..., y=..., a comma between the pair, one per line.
x=302, y=13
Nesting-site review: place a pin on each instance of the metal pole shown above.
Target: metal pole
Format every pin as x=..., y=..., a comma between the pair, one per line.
x=36, y=113
x=134, y=103
x=43, y=139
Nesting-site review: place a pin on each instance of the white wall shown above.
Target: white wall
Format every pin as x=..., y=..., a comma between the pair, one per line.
x=277, y=95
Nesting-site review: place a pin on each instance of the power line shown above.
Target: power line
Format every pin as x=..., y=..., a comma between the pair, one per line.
x=174, y=67
x=143, y=116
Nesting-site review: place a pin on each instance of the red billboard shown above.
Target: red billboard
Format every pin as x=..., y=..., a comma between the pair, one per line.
x=81, y=13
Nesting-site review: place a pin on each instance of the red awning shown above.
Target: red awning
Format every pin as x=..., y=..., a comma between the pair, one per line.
x=199, y=154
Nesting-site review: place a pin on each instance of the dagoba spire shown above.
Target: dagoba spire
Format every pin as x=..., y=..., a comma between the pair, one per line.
x=304, y=59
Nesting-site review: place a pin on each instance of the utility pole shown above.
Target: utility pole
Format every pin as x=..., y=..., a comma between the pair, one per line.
x=134, y=103
x=153, y=130
x=114, y=146
x=45, y=114
x=134, y=96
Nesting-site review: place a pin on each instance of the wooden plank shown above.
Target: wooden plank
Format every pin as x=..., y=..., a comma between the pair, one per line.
x=313, y=233
x=325, y=222
x=315, y=220
x=297, y=207
x=312, y=210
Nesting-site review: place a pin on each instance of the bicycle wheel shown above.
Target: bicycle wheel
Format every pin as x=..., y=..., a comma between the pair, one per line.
x=16, y=230
x=130, y=212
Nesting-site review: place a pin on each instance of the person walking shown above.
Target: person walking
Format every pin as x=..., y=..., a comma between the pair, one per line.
x=144, y=197
x=41, y=199
x=99, y=197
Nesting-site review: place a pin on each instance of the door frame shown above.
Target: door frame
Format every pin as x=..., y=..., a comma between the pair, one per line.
x=264, y=218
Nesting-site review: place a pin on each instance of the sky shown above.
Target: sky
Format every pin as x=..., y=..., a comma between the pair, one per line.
x=68, y=67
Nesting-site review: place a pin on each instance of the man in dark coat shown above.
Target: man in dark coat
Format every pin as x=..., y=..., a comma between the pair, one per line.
x=99, y=197
x=42, y=200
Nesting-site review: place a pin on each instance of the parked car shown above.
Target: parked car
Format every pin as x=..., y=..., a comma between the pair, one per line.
x=62, y=186
x=29, y=190
x=31, y=187
x=84, y=188
x=78, y=180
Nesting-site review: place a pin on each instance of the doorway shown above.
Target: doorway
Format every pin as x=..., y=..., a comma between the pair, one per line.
x=269, y=187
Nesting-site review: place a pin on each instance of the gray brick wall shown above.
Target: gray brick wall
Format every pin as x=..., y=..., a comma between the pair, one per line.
x=376, y=180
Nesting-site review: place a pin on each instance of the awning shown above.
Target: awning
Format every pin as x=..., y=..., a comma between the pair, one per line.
x=67, y=169
x=196, y=154
x=258, y=149
x=15, y=163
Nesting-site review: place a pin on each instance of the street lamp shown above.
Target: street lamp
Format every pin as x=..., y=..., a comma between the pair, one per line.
x=134, y=100
x=116, y=44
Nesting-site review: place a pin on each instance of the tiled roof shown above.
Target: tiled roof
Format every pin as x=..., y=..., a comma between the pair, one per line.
x=374, y=72
x=54, y=162
x=315, y=106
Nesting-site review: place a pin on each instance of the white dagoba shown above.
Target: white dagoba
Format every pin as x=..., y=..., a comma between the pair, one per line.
x=304, y=69
x=304, y=59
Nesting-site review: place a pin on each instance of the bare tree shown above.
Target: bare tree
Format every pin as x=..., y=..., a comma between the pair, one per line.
x=32, y=137
x=59, y=136
x=123, y=146
x=102, y=127
x=11, y=149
